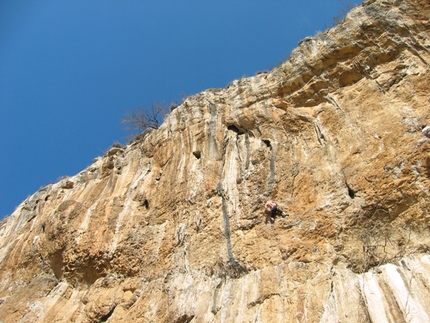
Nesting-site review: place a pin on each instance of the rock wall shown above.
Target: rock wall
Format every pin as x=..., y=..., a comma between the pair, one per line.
x=171, y=228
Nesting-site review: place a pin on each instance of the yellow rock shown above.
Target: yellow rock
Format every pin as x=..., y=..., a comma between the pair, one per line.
x=171, y=227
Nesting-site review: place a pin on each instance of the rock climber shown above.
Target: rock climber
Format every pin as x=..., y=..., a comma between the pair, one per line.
x=272, y=210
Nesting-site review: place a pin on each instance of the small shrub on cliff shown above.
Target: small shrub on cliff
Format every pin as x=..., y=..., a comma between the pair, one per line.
x=116, y=144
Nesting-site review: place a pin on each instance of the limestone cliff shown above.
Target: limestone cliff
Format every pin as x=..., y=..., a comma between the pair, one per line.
x=171, y=227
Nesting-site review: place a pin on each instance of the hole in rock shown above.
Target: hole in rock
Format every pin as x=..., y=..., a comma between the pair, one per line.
x=267, y=143
x=197, y=154
x=104, y=318
x=235, y=129
x=351, y=192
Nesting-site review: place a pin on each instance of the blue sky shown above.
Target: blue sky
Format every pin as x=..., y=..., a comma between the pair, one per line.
x=70, y=69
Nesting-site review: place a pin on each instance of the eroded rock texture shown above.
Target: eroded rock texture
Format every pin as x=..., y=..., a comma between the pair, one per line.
x=171, y=227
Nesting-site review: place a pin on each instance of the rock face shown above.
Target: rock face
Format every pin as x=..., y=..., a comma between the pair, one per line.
x=171, y=228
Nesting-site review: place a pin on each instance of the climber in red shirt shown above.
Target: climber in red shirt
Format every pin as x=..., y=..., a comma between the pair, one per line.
x=272, y=210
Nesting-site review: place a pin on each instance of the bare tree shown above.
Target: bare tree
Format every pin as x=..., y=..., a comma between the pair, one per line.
x=144, y=118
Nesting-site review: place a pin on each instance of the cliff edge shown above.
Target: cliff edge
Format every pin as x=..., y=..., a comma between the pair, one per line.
x=171, y=228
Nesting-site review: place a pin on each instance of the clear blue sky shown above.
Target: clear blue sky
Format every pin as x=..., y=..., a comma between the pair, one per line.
x=69, y=69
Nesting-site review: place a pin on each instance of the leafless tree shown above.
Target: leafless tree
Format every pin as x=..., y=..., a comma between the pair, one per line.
x=144, y=118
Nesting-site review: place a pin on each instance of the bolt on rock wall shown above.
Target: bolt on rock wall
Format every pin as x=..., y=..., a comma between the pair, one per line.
x=171, y=228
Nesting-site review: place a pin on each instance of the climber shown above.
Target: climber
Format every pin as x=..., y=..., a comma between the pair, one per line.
x=272, y=210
